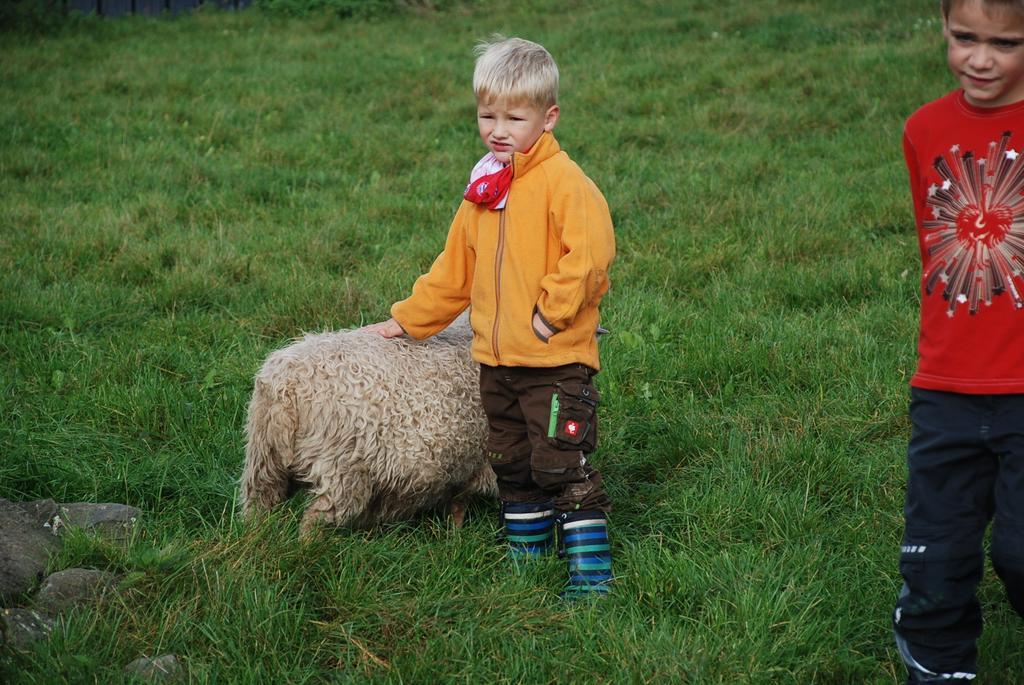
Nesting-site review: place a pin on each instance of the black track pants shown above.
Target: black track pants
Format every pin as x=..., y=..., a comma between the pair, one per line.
x=966, y=468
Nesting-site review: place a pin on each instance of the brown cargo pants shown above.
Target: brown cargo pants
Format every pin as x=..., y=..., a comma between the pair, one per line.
x=543, y=427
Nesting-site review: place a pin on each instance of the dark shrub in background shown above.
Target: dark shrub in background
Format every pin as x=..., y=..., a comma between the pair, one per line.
x=353, y=8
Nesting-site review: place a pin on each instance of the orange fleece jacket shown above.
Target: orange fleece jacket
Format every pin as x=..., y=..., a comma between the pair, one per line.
x=549, y=249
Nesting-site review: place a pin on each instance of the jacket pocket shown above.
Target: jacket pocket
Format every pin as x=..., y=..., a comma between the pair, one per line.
x=573, y=419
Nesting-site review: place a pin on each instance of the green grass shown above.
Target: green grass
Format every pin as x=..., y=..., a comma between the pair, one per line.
x=183, y=196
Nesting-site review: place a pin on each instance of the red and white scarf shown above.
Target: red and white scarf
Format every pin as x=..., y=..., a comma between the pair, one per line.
x=489, y=182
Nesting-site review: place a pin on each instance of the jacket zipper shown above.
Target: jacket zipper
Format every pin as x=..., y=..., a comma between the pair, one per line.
x=497, y=281
x=498, y=258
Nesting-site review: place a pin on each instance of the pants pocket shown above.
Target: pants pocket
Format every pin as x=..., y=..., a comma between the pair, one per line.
x=572, y=422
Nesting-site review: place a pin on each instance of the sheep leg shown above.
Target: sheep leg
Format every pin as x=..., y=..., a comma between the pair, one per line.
x=264, y=482
x=458, y=511
x=269, y=448
x=482, y=482
x=337, y=501
x=262, y=495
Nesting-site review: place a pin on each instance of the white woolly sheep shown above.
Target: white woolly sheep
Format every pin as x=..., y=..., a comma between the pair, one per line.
x=378, y=429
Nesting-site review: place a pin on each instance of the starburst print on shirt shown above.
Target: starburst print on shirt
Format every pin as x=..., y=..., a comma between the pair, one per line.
x=975, y=239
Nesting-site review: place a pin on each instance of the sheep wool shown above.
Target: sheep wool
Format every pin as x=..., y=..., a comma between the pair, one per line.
x=377, y=429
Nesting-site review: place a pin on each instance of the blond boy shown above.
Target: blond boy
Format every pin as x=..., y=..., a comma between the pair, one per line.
x=529, y=249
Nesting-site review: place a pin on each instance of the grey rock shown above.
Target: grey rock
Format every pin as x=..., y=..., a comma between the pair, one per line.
x=40, y=512
x=67, y=589
x=25, y=547
x=22, y=627
x=159, y=669
x=114, y=521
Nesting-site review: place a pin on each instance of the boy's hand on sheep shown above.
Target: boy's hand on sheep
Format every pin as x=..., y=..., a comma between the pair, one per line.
x=387, y=329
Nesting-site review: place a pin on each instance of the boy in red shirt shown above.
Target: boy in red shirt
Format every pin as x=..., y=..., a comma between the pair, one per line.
x=965, y=155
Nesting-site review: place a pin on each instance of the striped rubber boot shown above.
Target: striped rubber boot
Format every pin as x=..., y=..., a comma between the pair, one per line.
x=584, y=538
x=528, y=528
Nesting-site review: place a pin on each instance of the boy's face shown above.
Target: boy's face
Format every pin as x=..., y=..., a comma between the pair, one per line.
x=986, y=52
x=506, y=127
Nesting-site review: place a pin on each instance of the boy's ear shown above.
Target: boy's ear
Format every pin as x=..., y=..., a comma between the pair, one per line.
x=551, y=117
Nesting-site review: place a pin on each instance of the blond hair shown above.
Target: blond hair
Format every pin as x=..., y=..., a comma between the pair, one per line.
x=1015, y=5
x=516, y=70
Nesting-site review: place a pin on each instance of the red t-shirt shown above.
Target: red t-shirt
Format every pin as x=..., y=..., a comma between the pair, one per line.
x=966, y=168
